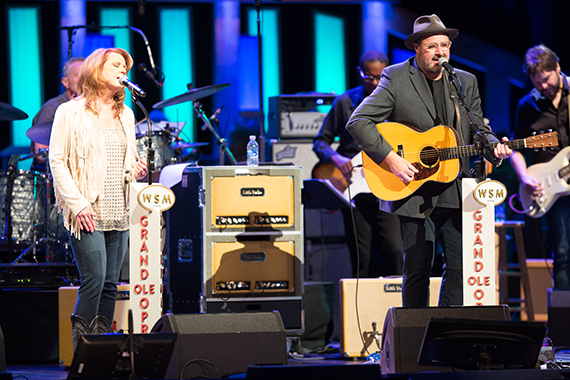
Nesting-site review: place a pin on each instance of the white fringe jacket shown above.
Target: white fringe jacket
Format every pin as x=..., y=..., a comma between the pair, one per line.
x=78, y=159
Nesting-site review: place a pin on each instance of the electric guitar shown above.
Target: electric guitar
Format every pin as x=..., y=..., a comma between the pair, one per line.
x=553, y=176
x=356, y=184
x=435, y=153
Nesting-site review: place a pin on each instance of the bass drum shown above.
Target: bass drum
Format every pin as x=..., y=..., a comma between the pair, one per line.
x=27, y=207
x=161, y=143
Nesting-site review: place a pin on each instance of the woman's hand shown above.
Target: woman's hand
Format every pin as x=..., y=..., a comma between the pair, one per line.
x=140, y=169
x=85, y=219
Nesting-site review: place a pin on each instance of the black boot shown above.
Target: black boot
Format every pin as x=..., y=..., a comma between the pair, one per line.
x=79, y=326
x=100, y=325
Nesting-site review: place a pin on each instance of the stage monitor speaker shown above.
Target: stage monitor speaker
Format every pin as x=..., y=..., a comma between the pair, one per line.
x=219, y=345
x=404, y=331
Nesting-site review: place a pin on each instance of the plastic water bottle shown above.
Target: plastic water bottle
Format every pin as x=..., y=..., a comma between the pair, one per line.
x=252, y=152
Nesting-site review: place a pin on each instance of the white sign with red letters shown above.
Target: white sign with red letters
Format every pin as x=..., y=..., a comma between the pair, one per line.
x=145, y=260
x=479, y=265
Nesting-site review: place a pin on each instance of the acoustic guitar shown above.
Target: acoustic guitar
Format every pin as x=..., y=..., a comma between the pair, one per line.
x=435, y=153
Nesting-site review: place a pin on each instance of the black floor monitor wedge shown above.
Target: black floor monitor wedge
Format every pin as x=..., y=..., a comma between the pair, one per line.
x=472, y=344
x=107, y=356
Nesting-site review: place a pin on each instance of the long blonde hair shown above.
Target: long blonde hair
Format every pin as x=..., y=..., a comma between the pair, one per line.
x=91, y=82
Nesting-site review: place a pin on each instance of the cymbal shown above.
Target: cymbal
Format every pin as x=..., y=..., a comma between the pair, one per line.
x=192, y=95
x=184, y=145
x=40, y=132
x=10, y=113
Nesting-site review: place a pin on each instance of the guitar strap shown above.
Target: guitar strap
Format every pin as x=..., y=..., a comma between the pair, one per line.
x=564, y=134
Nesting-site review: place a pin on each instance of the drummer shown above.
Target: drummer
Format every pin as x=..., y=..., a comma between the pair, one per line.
x=69, y=80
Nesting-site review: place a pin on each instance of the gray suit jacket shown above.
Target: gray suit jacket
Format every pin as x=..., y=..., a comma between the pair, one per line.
x=403, y=95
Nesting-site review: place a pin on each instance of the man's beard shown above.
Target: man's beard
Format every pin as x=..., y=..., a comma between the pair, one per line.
x=551, y=91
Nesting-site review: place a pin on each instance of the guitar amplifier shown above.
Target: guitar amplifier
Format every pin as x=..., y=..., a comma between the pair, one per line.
x=252, y=266
x=375, y=297
x=235, y=240
x=297, y=116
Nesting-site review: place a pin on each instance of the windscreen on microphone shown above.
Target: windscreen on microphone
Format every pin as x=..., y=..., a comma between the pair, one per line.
x=143, y=69
x=443, y=62
x=123, y=80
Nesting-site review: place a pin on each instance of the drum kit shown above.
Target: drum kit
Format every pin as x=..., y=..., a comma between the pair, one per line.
x=29, y=218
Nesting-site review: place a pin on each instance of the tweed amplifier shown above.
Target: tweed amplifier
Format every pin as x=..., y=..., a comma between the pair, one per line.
x=260, y=201
x=375, y=297
x=266, y=265
x=235, y=237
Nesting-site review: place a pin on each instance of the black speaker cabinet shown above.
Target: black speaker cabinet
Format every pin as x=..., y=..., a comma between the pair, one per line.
x=218, y=345
x=404, y=331
x=235, y=236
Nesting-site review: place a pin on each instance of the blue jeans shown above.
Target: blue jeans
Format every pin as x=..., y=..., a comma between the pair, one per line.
x=419, y=238
x=99, y=256
x=558, y=223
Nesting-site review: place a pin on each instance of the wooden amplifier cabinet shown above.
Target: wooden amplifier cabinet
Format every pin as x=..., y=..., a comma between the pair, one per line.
x=67, y=297
x=375, y=297
x=235, y=232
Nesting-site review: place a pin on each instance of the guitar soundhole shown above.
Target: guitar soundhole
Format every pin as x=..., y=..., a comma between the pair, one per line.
x=429, y=156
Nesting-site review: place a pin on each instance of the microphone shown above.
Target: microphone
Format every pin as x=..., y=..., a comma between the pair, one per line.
x=123, y=80
x=214, y=117
x=143, y=69
x=13, y=163
x=443, y=62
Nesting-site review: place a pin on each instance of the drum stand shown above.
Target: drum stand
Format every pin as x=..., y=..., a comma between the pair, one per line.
x=7, y=209
x=49, y=238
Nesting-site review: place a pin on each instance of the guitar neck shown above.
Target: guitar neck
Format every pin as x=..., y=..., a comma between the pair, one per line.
x=564, y=171
x=473, y=150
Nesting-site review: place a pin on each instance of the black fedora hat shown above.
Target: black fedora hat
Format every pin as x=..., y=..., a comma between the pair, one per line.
x=426, y=26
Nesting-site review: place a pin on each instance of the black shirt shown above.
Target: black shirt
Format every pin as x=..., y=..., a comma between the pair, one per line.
x=535, y=113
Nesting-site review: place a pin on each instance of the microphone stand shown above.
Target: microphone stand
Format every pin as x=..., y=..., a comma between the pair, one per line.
x=133, y=374
x=71, y=30
x=484, y=144
x=260, y=65
x=223, y=143
x=149, y=149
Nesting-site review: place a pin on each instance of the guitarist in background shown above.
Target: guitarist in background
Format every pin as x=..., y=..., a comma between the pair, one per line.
x=546, y=108
x=417, y=92
x=369, y=220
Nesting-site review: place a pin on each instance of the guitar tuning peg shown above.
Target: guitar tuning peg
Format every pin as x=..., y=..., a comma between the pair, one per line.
x=544, y=149
x=535, y=150
x=533, y=133
x=542, y=131
x=549, y=130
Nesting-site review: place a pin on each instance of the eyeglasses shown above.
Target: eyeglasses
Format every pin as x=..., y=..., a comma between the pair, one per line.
x=445, y=45
x=368, y=78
